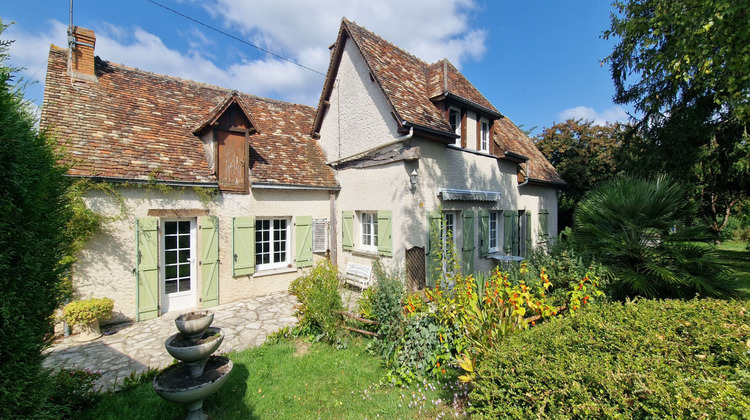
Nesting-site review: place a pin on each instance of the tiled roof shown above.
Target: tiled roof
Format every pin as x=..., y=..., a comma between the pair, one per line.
x=508, y=137
x=402, y=76
x=135, y=125
x=456, y=84
x=409, y=84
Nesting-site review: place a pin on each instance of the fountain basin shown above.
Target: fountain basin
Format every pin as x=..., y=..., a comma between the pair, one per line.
x=183, y=349
x=175, y=384
x=194, y=324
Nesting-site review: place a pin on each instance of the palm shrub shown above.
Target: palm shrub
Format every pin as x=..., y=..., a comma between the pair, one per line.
x=636, y=228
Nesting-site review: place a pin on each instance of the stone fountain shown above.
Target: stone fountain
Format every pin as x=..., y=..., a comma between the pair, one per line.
x=198, y=374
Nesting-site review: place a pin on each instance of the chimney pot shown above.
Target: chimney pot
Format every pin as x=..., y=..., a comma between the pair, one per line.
x=81, y=65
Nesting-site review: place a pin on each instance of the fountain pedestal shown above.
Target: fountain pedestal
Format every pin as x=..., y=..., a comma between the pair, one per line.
x=198, y=375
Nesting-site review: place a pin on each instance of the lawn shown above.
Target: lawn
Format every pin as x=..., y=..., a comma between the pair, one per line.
x=735, y=255
x=293, y=380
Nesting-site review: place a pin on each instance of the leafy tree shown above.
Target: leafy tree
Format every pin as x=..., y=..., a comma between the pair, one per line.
x=684, y=65
x=584, y=154
x=636, y=228
x=33, y=215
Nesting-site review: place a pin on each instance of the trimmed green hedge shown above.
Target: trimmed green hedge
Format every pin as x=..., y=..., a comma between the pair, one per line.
x=649, y=359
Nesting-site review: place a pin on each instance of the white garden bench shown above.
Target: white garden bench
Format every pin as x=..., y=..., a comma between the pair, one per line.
x=358, y=275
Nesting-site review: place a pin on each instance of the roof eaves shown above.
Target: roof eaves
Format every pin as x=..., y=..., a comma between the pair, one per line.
x=221, y=107
x=446, y=136
x=538, y=181
x=472, y=104
x=333, y=69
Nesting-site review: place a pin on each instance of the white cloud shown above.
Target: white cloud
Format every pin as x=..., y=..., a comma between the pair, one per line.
x=610, y=115
x=298, y=29
x=429, y=29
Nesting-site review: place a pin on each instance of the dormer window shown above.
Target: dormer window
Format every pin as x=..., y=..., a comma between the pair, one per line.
x=226, y=140
x=454, y=118
x=484, y=136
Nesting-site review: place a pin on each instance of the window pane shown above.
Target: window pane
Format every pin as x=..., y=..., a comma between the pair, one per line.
x=184, y=256
x=184, y=270
x=184, y=227
x=170, y=242
x=170, y=257
x=184, y=285
x=184, y=241
x=170, y=286
x=170, y=272
x=170, y=228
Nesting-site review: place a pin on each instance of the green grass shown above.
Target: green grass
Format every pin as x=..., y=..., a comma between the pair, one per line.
x=735, y=255
x=291, y=381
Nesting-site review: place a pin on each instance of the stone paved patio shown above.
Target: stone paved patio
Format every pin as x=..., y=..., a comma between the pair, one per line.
x=135, y=347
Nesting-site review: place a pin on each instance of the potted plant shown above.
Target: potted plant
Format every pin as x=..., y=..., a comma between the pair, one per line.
x=87, y=314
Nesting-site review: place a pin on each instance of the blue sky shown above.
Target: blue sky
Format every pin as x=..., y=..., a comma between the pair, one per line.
x=538, y=62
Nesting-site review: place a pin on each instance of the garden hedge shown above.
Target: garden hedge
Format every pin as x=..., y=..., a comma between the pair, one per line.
x=648, y=359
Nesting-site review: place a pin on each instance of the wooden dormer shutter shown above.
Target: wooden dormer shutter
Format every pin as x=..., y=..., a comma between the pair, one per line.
x=232, y=168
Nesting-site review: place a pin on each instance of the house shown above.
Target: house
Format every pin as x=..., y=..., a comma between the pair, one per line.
x=417, y=147
x=215, y=195
x=162, y=143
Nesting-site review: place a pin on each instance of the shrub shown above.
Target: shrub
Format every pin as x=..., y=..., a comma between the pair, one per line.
x=33, y=215
x=563, y=264
x=72, y=391
x=645, y=359
x=387, y=310
x=636, y=228
x=84, y=312
x=319, y=298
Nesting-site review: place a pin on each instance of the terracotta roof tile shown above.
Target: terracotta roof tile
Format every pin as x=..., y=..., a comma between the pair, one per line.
x=409, y=83
x=402, y=76
x=508, y=137
x=134, y=125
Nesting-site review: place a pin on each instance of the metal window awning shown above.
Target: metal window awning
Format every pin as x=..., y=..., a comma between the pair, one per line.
x=506, y=258
x=450, y=194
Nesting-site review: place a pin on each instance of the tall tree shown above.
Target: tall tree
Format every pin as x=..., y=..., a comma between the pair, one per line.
x=684, y=65
x=34, y=211
x=584, y=154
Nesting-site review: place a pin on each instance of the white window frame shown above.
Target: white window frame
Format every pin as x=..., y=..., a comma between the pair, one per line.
x=368, y=231
x=484, y=135
x=274, y=234
x=493, y=236
x=457, y=130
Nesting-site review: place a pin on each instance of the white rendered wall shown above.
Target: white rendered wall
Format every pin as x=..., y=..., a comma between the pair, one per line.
x=387, y=188
x=105, y=267
x=359, y=116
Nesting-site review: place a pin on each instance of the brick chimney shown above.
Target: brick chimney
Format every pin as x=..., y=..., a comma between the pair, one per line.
x=81, y=63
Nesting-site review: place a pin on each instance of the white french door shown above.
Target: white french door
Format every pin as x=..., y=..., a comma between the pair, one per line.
x=178, y=268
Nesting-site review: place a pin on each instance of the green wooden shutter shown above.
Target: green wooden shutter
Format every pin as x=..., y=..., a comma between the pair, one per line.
x=544, y=226
x=434, y=264
x=484, y=233
x=467, y=256
x=385, y=233
x=243, y=246
x=508, y=231
x=529, y=241
x=147, y=268
x=347, y=227
x=303, y=234
x=209, y=227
